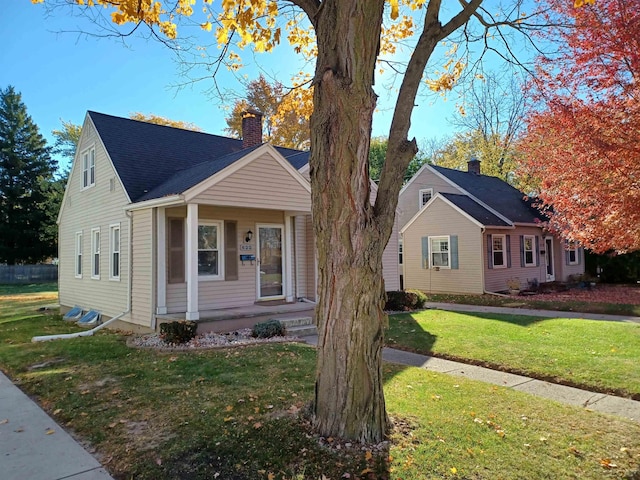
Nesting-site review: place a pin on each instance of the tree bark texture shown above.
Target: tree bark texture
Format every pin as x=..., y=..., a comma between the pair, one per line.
x=349, y=400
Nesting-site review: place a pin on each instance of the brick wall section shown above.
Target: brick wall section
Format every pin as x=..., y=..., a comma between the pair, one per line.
x=251, y=129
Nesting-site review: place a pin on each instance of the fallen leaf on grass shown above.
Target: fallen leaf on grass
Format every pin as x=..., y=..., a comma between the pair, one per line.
x=257, y=425
x=57, y=411
x=607, y=463
x=368, y=455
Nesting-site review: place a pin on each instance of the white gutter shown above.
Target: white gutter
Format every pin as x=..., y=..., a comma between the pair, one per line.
x=157, y=202
x=87, y=333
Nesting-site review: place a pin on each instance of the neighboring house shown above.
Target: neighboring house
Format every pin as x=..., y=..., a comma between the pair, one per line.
x=464, y=232
x=159, y=220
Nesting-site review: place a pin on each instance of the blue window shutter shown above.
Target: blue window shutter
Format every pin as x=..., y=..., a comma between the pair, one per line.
x=489, y=251
x=508, y=251
x=537, y=250
x=454, y=251
x=425, y=252
x=522, y=250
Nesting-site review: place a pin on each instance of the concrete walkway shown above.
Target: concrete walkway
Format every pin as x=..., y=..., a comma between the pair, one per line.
x=454, y=307
x=34, y=447
x=599, y=402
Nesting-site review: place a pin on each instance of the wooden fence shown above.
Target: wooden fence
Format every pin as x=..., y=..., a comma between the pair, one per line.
x=28, y=273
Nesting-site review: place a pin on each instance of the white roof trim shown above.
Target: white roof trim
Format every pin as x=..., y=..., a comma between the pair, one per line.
x=167, y=201
x=76, y=157
x=477, y=200
x=266, y=148
x=456, y=208
x=304, y=168
x=415, y=175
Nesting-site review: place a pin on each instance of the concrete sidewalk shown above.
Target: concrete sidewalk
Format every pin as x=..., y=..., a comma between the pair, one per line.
x=454, y=307
x=599, y=402
x=34, y=447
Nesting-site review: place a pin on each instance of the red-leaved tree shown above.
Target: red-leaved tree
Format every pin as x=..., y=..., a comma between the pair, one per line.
x=582, y=144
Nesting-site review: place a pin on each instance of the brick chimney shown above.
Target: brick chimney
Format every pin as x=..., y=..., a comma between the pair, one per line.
x=473, y=166
x=251, y=128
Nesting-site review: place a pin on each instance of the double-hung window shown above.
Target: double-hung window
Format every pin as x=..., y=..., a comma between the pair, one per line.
x=498, y=251
x=440, y=254
x=400, y=252
x=88, y=168
x=209, y=250
x=95, y=253
x=424, y=196
x=529, y=242
x=572, y=253
x=78, y=254
x=114, y=254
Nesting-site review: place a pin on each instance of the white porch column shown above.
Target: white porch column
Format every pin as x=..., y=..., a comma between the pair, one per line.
x=161, y=261
x=288, y=258
x=192, y=262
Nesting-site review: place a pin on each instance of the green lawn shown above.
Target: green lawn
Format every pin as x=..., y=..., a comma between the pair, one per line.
x=602, y=356
x=237, y=414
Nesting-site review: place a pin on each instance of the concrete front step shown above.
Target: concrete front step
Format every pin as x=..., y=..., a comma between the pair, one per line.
x=298, y=326
x=302, y=331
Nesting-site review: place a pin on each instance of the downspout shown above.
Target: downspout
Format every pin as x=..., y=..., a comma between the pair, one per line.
x=88, y=333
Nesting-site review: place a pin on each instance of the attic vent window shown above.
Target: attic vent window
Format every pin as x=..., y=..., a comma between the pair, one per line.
x=424, y=196
x=89, y=168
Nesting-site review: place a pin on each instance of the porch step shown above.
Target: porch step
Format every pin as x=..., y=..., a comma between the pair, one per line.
x=298, y=326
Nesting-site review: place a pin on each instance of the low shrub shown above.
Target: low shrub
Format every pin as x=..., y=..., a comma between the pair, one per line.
x=405, y=300
x=178, y=332
x=268, y=329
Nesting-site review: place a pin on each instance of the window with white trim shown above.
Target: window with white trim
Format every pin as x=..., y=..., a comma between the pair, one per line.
x=529, y=255
x=498, y=251
x=209, y=250
x=400, y=252
x=78, y=254
x=424, y=196
x=114, y=252
x=572, y=253
x=95, y=253
x=89, y=168
x=440, y=253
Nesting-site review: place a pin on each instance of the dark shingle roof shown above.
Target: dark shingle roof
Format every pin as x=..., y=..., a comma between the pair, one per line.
x=155, y=160
x=496, y=193
x=475, y=210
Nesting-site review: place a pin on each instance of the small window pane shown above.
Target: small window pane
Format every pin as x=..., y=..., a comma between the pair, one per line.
x=207, y=263
x=207, y=237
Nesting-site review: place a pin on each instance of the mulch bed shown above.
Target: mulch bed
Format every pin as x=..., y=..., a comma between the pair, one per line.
x=627, y=294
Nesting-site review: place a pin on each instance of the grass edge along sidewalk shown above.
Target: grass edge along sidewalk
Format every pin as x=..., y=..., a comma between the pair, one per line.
x=587, y=354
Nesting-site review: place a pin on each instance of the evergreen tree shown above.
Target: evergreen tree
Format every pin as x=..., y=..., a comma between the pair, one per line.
x=27, y=223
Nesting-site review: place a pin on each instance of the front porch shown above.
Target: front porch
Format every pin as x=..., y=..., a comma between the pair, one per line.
x=229, y=319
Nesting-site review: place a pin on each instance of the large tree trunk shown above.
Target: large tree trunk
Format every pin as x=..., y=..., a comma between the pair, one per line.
x=349, y=400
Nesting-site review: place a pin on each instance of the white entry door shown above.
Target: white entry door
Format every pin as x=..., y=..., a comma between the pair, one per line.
x=551, y=272
x=271, y=274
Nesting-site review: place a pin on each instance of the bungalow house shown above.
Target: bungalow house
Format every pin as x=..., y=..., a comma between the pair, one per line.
x=157, y=220
x=463, y=232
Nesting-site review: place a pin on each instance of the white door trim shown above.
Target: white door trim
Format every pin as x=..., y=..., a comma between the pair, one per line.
x=283, y=249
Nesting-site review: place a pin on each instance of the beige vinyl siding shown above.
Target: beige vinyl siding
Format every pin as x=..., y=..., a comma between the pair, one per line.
x=564, y=271
x=214, y=294
x=143, y=250
x=263, y=182
x=98, y=206
x=408, y=204
x=390, y=267
x=305, y=268
x=442, y=219
x=496, y=278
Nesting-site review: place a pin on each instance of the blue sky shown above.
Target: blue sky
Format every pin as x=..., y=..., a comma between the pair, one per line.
x=62, y=75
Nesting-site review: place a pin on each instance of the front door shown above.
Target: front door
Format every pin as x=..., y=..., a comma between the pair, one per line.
x=551, y=274
x=270, y=262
